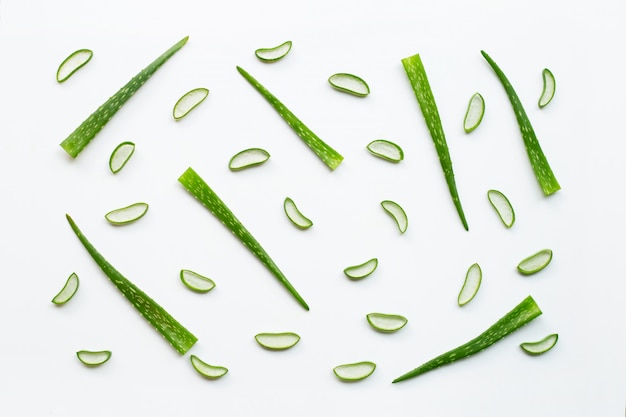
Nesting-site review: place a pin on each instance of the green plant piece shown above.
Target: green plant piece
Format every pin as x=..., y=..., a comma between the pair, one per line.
x=475, y=113
x=196, y=282
x=535, y=263
x=93, y=358
x=189, y=101
x=549, y=88
x=386, y=323
x=120, y=156
x=295, y=215
x=354, y=371
x=277, y=341
x=75, y=61
x=206, y=370
x=397, y=213
x=473, y=278
x=350, y=84
x=541, y=346
x=273, y=54
x=127, y=215
x=503, y=207
x=386, y=150
x=362, y=270
x=68, y=290
x=248, y=158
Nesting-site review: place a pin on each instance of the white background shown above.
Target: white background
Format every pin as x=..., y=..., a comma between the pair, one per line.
x=581, y=292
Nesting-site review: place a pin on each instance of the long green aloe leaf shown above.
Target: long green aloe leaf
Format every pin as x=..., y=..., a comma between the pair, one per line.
x=327, y=154
x=174, y=332
x=84, y=133
x=421, y=87
x=203, y=193
x=538, y=160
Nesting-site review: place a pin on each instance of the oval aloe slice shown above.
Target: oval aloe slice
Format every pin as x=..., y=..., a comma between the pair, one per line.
x=349, y=83
x=196, y=282
x=189, y=101
x=277, y=341
x=475, y=112
x=386, y=150
x=68, y=290
x=296, y=217
x=473, y=278
x=128, y=214
x=362, y=270
x=206, y=370
x=386, y=323
x=93, y=358
x=540, y=346
x=120, y=156
x=503, y=207
x=75, y=61
x=549, y=87
x=273, y=54
x=354, y=371
x=397, y=213
x=535, y=263
x=248, y=158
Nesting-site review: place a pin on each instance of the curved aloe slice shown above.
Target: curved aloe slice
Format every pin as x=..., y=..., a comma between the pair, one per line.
x=386, y=323
x=128, y=214
x=354, y=371
x=68, y=290
x=75, y=61
x=535, y=263
x=327, y=154
x=538, y=160
x=362, y=270
x=549, y=87
x=120, y=156
x=206, y=370
x=386, y=150
x=397, y=213
x=295, y=215
x=196, y=282
x=349, y=83
x=93, y=358
x=273, y=54
x=189, y=101
x=203, y=193
x=84, y=133
x=179, y=337
x=277, y=341
x=503, y=207
x=540, y=346
x=248, y=158
x=473, y=278
x=421, y=87
x=523, y=313
x=475, y=112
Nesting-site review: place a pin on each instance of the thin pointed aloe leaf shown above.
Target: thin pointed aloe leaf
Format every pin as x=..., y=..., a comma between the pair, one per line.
x=93, y=358
x=196, y=282
x=503, y=207
x=277, y=341
x=127, y=215
x=475, y=112
x=397, y=212
x=295, y=215
x=68, y=290
x=327, y=154
x=386, y=323
x=203, y=193
x=362, y=270
x=421, y=87
x=350, y=84
x=175, y=333
x=80, y=138
x=75, y=61
x=473, y=278
x=248, y=158
x=206, y=370
x=549, y=88
x=522, y=314
x=540, y=346
x=354, y=371
x=538, y=160
x=273, y=54
x=120, y=156
x=535, y=263
x=386, y=150
x=189, y=101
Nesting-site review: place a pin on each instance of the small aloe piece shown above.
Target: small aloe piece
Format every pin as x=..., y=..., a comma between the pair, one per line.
x=397, y=212
x=273, y=54
x=75, y=61
x=196, y=282
x=206, y=370
x=120, y=156
x=386, y=150
x=540, y=346
x=473, y=278
x=549, y=88
x=362, y=270
x=386, y=323
x=535, y=263
x=354, y=371
x=128, y=214
x=248, y=158
x=503, y=207
x=68, y=290
x=277, y=341
x=475, y=113
x=349, y=83
x=93, y=358
x=189, y=101
x=295, y=215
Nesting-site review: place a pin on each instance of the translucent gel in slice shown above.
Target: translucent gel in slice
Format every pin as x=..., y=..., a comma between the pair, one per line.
x=471, y=285
x=120, y=156
x=128, y=214
x=295, y=215
x=362, y=270
x=68, y=290
x=188, y=102
x=75, y=61
x=275, y=53
x=248, y=158
x=354, y=371
x=386, y=323
x=536, y=262
x=386, y=150
x=206, y=370
x=196, y=282
x=475, y=112
x=277, y=341
x=397, y=213
x=349, y=83
x=503, y=207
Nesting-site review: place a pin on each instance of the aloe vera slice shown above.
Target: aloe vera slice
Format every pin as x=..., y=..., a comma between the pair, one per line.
x=128, y=214
x=349, y=83
x=120, y=156
x=175, y=333
x=203, y=193
x=416, y=73
x=189, y=101
x=540, y=346
x=386, y=150
x=397, y=213
x=196, y=282
x=93, y=358
x=473, y=278
x=68, y=290
x=206, y=370
x=354, y=371
x=79, y=138
x=503, y=207
x=295, y=215
x=327, y=154
x=275, y=53
x=248, y=158
x=75, y=61
x=362, y=270
x=277, y=341
x=536, y=262
x=386, y=323
x=538, y=160
x=523, y=313
x=549, y=88
x=475, y=113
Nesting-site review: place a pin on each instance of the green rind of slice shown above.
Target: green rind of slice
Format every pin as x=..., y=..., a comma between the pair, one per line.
x=362, y=270
x=541, y=346
x=295, y=215
x=206, y=370
x=538, y=160
x=327, y=154
x=75, y=61
x=273, y=54
x=248, y=158
x=502, y=206
x=120, y=156
x=196, y=282
x=535, y=263
x=549, y=88
x=354, y=371
x=386, y=150
x=189, y=101
x=397, y=213
x=175, y=333
x=68, y=290
x=475, y=112
x=522, y=314
x=93, y=358
x=386, y=323
x=80, y=138
x=421, y=87
x=349, y=83
x=205, y=195
x=127, y=215
x=473, y=279
x=277, y=341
